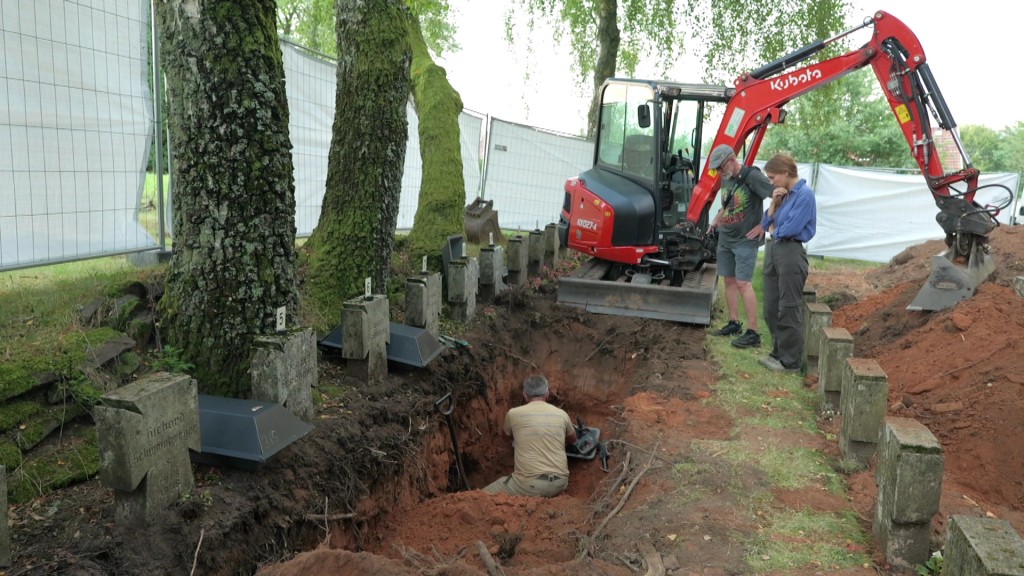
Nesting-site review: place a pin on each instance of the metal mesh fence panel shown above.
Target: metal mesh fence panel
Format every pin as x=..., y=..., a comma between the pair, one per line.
x=526, y=172
x=75, y=128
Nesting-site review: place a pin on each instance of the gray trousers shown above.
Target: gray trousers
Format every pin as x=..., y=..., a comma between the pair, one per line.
x=785, y=272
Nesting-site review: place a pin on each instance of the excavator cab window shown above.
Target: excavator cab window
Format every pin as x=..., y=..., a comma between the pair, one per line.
x=625, y=140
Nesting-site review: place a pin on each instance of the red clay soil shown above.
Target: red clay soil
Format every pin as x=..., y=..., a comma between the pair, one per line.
x=959, y=371
x=376, y=485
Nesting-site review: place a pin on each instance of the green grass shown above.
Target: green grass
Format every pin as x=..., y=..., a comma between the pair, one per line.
x=149, y=207
x=759, y=399
x=802, y=538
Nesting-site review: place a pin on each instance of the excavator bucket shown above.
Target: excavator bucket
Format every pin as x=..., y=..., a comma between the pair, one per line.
x=951, y=282
x=482, y=223
x=641, y=296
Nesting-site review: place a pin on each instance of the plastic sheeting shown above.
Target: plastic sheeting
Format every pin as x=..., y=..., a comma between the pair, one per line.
x=874, y=215
x=75, y=129
x=526, y=172
x=310, y=83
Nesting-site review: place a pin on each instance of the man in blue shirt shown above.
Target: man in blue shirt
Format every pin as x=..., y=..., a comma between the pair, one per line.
x=791, y=220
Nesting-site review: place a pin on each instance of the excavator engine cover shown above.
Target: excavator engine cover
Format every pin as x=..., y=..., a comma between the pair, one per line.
x=482, y=223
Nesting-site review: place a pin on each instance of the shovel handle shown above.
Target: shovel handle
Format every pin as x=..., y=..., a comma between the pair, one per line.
x=439, y=405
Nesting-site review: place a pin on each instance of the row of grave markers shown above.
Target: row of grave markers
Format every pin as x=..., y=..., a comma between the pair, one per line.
x=909, y=462
x=365, y=321
x=149, y=429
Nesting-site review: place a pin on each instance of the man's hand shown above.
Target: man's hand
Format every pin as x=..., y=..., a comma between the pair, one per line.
x=756, y=233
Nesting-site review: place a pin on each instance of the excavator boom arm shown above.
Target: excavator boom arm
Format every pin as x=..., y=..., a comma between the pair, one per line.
x=898, y=61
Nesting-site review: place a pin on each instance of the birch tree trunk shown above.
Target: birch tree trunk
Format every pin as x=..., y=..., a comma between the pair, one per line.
x=355, y=235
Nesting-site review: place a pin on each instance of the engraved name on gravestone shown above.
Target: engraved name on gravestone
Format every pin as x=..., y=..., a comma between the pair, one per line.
x=145, y=431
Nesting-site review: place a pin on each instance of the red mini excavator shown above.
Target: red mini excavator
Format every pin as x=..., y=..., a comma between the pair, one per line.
x=642, y=210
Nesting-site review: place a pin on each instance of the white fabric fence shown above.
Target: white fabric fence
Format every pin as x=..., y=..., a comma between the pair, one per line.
x=75, y=129
x=310, y=83
x=874, y=215
x=76, y=126
x=526, y=172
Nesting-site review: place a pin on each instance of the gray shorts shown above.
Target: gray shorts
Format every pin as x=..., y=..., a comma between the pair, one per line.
x=737, y=258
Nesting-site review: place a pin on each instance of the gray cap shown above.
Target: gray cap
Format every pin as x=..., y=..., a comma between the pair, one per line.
x=719, y=155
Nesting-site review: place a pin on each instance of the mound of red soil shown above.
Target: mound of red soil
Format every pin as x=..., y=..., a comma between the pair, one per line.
x=959, y=371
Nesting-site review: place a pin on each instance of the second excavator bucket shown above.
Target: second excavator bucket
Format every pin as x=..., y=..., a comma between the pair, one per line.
x=950, y=281
x=482, y=223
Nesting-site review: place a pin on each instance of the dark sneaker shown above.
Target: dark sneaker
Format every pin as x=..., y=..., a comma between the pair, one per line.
x=749, y=339
x=733, y=327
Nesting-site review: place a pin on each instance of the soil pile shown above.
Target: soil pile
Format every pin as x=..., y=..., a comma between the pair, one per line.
x=959, y=371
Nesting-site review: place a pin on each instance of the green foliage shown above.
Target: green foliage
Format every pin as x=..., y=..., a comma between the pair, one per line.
x=14, y=413
x=932, y=567
x=311, y=23
x=74, y=460
x=852, y=126
x=20, y=373
x=10, y=455
x=82, y=390
x=171, y=359
x=740, y=35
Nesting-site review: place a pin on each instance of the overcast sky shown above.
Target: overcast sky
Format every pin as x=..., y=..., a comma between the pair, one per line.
x=973, y=54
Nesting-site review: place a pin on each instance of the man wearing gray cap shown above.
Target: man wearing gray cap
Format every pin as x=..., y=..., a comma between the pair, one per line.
x=740, y=234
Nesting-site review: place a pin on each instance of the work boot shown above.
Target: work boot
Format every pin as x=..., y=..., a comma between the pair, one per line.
x=749, y=339
x=733, y=327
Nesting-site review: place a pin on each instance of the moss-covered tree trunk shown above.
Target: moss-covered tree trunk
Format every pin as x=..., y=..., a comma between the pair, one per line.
x=355, y=235
x=440, y=212
x=234, y=201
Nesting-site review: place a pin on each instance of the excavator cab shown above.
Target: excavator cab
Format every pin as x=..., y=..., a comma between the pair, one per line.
x=629, y=211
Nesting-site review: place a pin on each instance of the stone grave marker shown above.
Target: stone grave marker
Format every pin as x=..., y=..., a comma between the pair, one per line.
x=146, y=430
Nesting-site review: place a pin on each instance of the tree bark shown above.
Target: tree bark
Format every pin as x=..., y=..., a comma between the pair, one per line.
x=355, y=235
x=234, y=206
x=608, y=50
x=442, y=200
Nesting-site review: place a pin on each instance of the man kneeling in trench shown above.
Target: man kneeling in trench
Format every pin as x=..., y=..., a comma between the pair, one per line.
x=540, y=433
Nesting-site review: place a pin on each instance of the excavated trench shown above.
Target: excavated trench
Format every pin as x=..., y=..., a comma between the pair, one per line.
x=594, y=364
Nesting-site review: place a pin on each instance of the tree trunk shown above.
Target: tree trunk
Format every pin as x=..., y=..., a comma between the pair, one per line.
x=355, y=235
x=608, y=40
x=440, y=212
x=234, y=206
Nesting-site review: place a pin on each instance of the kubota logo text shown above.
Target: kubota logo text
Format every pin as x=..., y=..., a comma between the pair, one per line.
x=586, y=224
x=792, y=80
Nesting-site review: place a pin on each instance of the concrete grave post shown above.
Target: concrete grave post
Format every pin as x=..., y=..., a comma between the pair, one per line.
x=284, y=371
x=982, y=547
x=810, y=294
x=492, y=272
x=909, y=478
x=536, y=253
x=551, y=253
x=864, y=396
x=819, y=316
x=463, y=279
x=518, y=258
x=145, y=432
x=366, y=332
x=423, y=302
x=836, y=347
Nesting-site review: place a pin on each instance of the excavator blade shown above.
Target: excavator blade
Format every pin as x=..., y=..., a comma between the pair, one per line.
x=640, y=297
x=950, y=282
